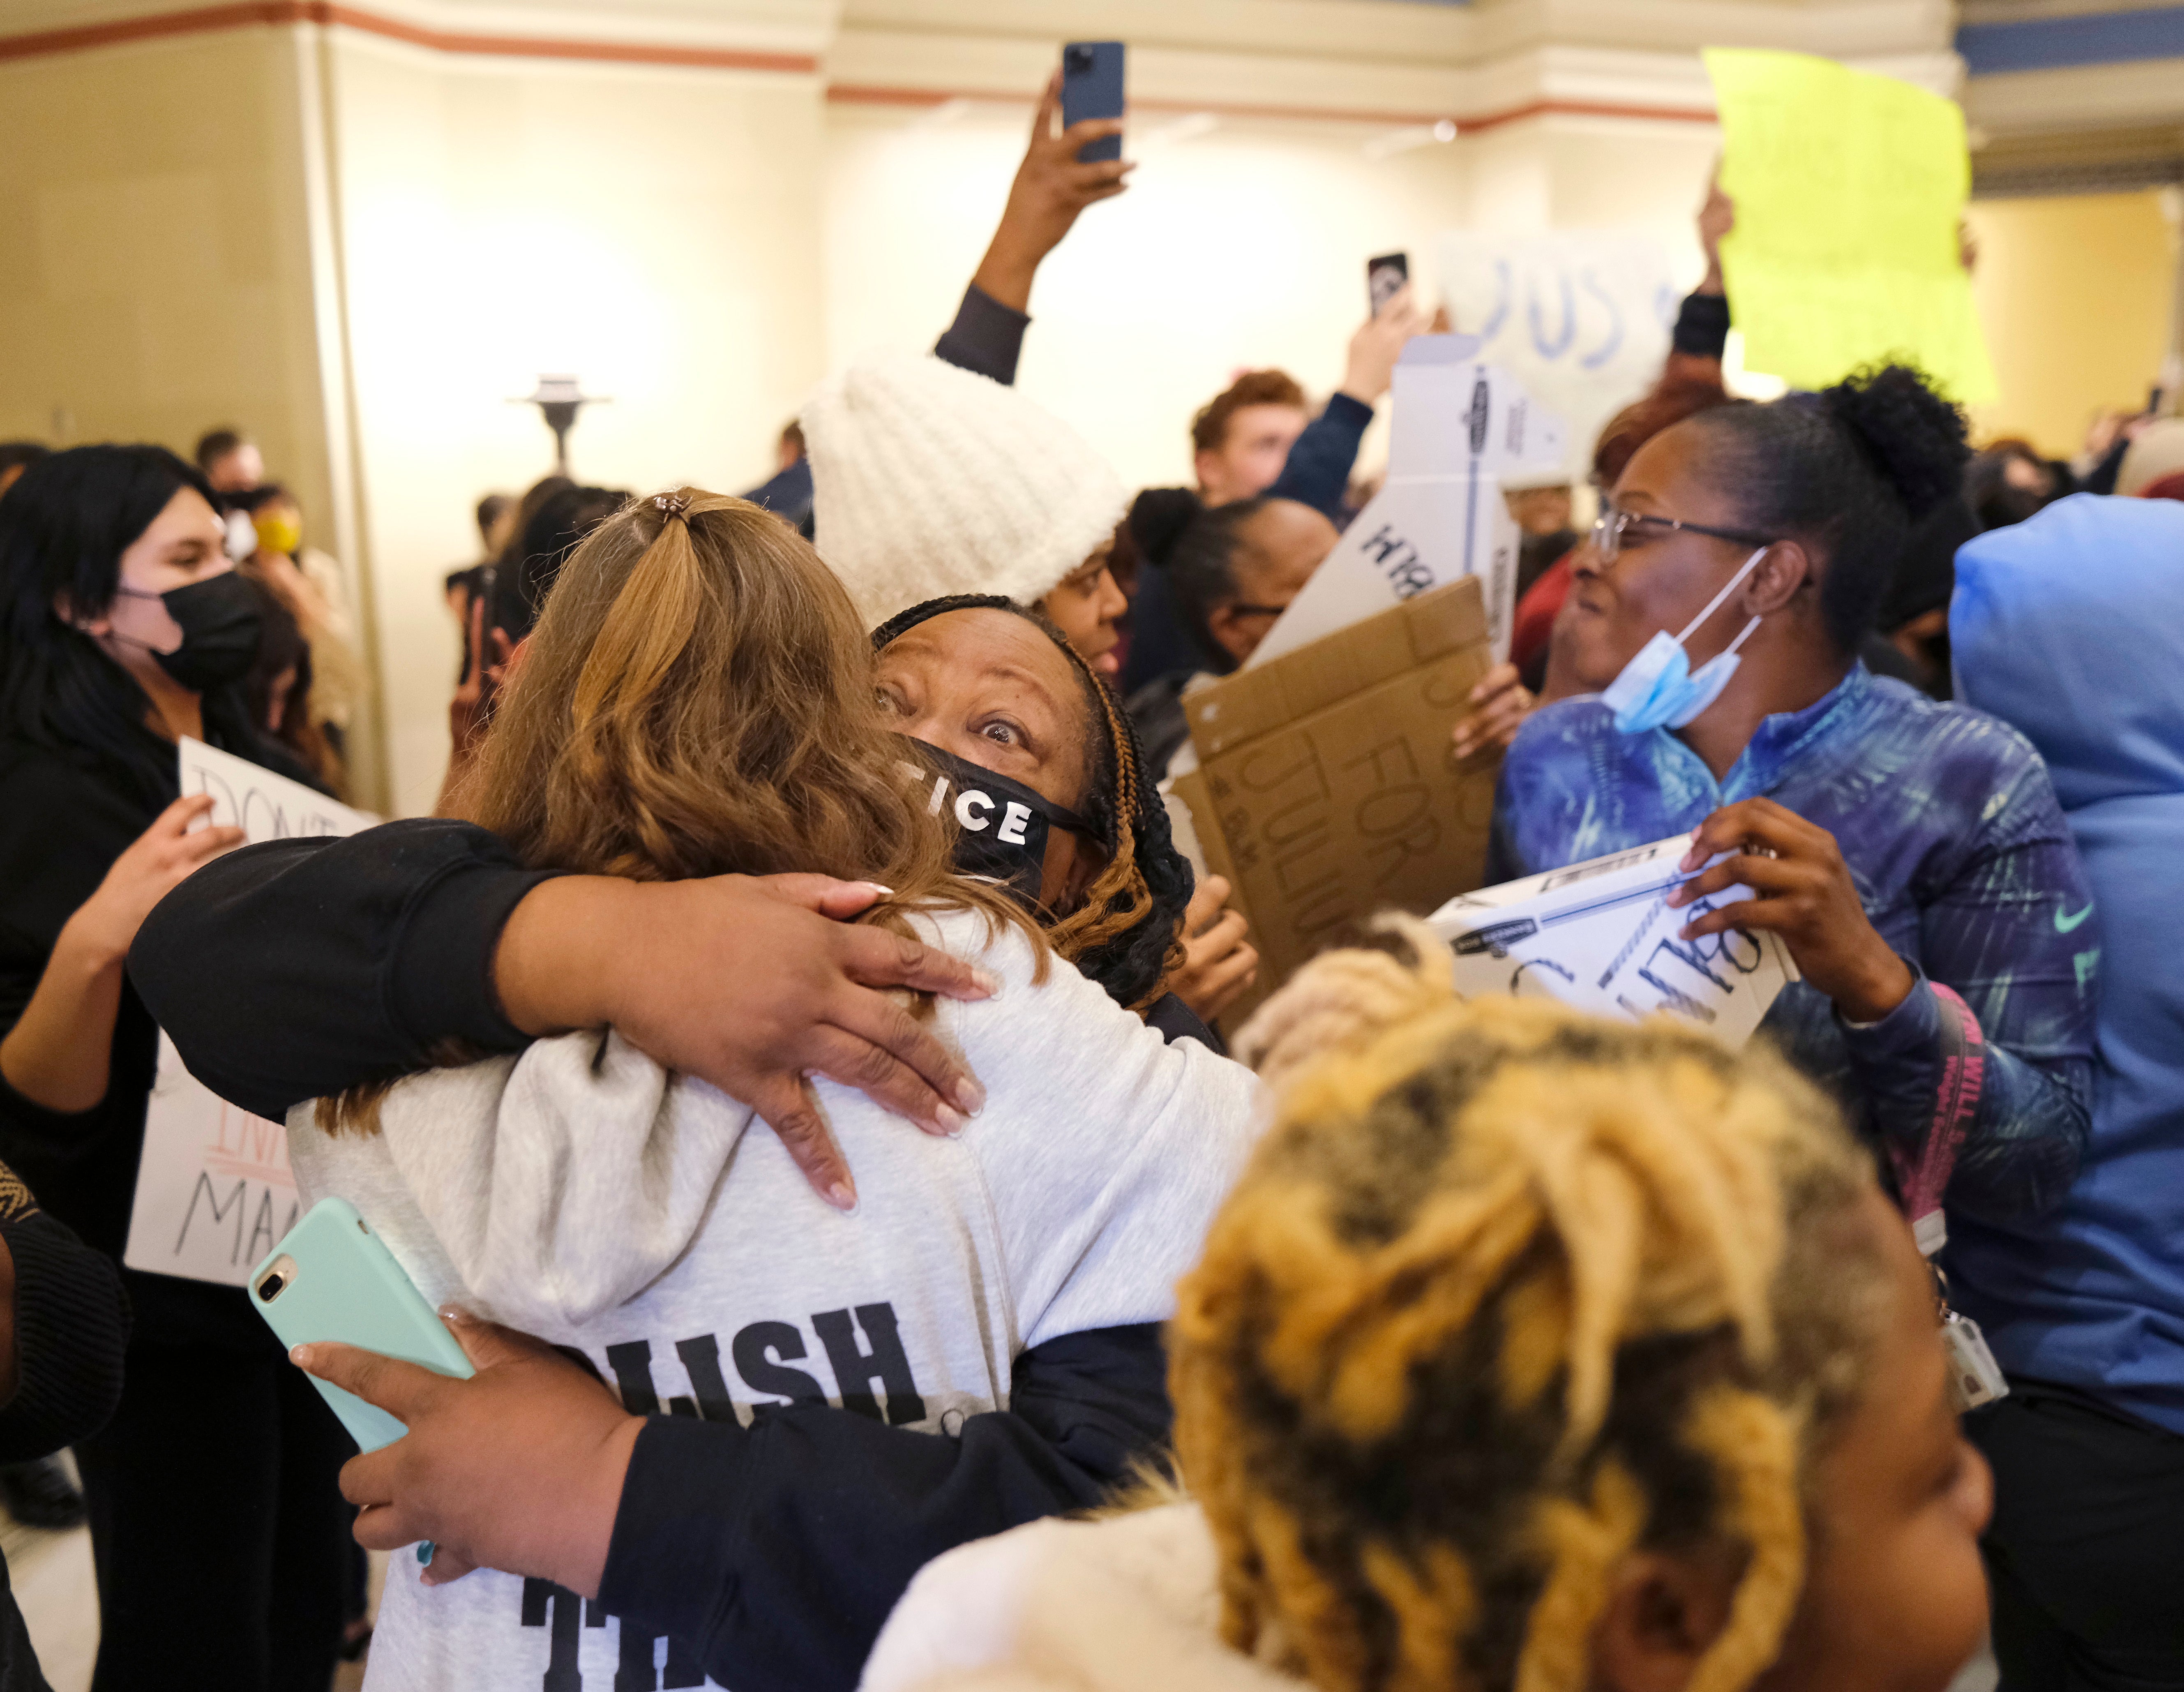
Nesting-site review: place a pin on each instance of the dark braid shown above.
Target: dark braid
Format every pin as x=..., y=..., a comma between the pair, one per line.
x=1127, y=934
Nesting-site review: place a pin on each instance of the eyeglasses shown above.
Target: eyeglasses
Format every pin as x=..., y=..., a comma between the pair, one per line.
x=1614, y=523
x=1241, y=610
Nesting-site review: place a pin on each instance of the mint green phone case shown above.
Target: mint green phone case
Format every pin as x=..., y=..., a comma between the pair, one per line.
x=346, y=1286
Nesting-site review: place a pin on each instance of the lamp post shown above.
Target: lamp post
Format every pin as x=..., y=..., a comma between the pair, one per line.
x=559, y=398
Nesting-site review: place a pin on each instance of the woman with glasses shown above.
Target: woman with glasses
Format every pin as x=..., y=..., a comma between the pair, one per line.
x=1910, y=855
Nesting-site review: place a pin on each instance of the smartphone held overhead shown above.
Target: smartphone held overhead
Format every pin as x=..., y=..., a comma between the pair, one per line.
x=1092, y=88
x=1385, y=277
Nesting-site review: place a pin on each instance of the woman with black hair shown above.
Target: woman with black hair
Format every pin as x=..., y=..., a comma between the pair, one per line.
x=124, y=627
x=1004, y=704
x=1909, y=854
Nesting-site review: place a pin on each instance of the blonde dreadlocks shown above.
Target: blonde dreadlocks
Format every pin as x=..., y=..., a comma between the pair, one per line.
x=1505, y=1294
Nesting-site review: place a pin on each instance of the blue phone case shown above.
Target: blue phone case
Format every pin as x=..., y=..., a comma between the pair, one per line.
x=347, y=1287
x=1092, y=88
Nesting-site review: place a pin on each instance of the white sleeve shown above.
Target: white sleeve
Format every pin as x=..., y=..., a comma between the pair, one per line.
x=1105, y=1150
x=567, y=1182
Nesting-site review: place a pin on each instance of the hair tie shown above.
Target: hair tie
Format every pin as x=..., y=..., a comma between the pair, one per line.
x=675, y=505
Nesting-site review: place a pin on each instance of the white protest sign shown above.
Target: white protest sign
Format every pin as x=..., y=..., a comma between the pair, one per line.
x=265, y=806
x=213, y=1189
x=1580, y=316
x=1458, y=425
x=1601, y=937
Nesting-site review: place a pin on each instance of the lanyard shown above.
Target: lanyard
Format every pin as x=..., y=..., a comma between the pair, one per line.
x=1924, y=1179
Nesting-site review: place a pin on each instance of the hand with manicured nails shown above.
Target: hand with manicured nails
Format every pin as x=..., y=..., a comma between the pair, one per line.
x=1219, y=965
x=1500, y=704
x=519, y=1468
x=1050, y=188
x=1801, y=890
x=751, y=983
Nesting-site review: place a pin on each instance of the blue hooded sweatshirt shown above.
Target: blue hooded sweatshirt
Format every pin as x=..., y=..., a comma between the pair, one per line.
x=2071, y=627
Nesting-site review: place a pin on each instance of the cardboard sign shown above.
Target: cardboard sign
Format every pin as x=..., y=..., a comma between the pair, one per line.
x=213, y=1190
x=1580, y=317
x=1601, y=936
x=1458, y=425
x=1327, y=788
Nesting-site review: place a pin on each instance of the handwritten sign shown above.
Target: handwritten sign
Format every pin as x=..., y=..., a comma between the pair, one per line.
x=265, y=806
x=213, y=1190
x=1849, y=187
x=1579, y=317
x=1601, y=936
x=1459, y=425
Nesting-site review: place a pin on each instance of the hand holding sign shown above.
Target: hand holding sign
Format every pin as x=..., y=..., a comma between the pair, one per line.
x=47, y=1056
x=1802, y=892
x=213, y=1190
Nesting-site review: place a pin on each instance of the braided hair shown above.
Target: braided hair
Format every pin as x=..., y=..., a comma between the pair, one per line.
x=1127, y=933
x=1506, y=1293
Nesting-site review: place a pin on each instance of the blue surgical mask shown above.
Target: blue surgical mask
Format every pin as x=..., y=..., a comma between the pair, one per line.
x=1659, y=689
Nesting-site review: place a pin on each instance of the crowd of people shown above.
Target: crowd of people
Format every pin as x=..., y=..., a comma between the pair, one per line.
x=803, y=920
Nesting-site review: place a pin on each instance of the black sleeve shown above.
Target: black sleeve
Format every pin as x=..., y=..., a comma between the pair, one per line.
x=776, y=1552
x=1317, y=469
x=1703, y=325
x=72, y=1328
x=296, y=968
x=986, y=338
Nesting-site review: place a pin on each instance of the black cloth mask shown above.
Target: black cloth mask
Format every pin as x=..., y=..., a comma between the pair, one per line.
x=221, y=624
x=1001, y=825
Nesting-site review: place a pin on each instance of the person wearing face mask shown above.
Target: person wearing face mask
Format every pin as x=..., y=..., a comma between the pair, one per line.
x=308, y=581
x=1017, y=742
x=1044, y=779
x=124, y=627
x=672, y=1239
x=933, y=482
x=1909, y=854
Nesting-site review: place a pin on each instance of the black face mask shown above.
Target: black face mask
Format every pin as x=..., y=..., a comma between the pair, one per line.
x=1002, y=825
x=221, y=624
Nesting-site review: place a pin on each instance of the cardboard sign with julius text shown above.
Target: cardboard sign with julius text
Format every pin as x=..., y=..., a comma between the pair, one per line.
x=1327, y=788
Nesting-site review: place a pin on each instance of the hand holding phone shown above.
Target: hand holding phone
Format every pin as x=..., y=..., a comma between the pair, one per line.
x=333, y=1278
x=1385, y=277
x=1092, y=88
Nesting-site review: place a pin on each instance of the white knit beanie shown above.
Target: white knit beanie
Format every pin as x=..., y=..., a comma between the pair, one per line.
x=927, y=480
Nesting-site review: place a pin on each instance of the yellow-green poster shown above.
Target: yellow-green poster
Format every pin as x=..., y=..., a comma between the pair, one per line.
x=1849, y=189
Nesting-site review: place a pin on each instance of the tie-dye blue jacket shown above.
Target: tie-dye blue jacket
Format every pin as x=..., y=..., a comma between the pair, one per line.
x=1950, y=831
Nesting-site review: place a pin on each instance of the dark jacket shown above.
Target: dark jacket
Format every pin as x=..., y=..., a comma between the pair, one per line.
x=772, y=1553
x=65, y=817
x=70, y=1326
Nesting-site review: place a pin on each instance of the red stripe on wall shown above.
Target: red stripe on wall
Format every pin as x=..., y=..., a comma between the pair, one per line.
x=207, y=20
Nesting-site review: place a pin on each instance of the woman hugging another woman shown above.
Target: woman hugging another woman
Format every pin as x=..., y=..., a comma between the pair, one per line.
x=698, y=701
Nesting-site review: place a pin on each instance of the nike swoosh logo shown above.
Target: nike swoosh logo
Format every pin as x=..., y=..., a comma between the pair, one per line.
x=2064, y=924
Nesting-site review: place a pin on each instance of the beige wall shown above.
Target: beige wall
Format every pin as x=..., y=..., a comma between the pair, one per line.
x=1243, y=245
x=653, y=231
x=154, y=276
x=361, y=247
x=2076, y=294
